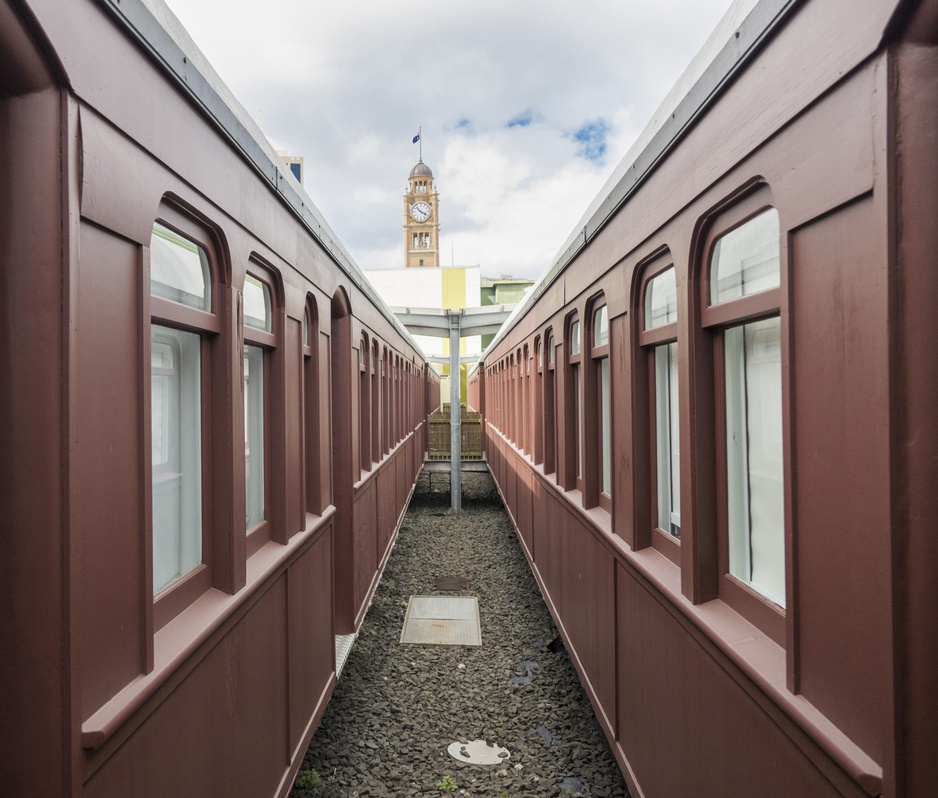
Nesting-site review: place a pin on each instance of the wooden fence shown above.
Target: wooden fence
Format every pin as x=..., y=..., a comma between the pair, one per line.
x=438, y=445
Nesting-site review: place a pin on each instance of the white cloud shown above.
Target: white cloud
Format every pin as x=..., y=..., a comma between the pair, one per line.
x=346, y=86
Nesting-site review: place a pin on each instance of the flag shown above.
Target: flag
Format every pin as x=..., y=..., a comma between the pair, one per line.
x=416, y=139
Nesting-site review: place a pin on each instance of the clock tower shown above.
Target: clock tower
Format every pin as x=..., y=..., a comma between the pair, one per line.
x=421, y=219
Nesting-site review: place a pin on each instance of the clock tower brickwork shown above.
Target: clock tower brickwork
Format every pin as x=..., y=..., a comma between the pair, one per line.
x=421, y=219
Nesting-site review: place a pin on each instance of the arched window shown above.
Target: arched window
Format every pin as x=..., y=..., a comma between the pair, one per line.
x=658, y=338
x=386, y=402
x=550, y=404
x=364, y=405
x=525, y=400
x=742, y=309
x=260, y=395
x=601, y=405
x=538, y=408
x=179, y=273
x=573, y=463
x=396, y=407
x=516, y=398
x=311, y=408
x=374, y=369
x=185, y=354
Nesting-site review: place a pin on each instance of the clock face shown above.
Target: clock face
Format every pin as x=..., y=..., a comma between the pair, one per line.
x=420, y=211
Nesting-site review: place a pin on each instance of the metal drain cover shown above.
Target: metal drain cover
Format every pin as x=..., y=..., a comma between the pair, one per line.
x=478, y=752
x=451, y=583
x=442, y=621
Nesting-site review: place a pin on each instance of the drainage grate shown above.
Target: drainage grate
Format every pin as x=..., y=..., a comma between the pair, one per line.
x=442, y=621
x=450, y=583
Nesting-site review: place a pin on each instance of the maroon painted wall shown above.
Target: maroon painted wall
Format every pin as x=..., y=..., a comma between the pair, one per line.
x=695, y=695
x=103, y=689
x=34, y=566
x=915, y=398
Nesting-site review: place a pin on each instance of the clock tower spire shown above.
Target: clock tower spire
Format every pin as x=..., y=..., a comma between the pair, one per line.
x=421, y=219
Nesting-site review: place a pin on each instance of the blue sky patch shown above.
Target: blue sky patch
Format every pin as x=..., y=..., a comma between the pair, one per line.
x=521, y=120
x=592, y=139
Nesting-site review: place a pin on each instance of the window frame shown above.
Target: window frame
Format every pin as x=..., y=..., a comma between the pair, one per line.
x=375, y=403
x=393, y=409
x=183, y=590
x=525, y=400
x=386, y=444
x=594, y=419
x=267, y=341
x=538, y=391
x=215, y=566
x=364, y=405
x=574, y=411
x=550, y=403
x=650, y=340
x=311, y=408
x=500, y=382
x=715, y=320
x=519, y=400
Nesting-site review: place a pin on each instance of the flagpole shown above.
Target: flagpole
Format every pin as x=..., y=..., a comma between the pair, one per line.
x=420, y=139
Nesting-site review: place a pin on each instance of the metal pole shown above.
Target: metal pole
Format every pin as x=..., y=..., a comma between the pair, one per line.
x=455, y=422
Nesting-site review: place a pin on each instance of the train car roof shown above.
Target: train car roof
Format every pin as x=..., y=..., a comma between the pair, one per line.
x=160, y=34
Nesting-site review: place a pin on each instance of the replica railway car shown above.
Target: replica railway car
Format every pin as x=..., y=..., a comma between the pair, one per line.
x=713, y=420
x=211, y=424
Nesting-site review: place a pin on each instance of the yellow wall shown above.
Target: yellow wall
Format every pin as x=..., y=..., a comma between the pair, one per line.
x=454, y=288
x=454, y=298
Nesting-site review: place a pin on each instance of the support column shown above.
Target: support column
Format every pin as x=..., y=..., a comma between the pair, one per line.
x=455, y=418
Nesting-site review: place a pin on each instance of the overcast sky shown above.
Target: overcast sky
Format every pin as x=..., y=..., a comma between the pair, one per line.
x=526, y=107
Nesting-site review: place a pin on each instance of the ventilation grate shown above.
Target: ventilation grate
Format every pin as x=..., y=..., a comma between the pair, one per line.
x=442, y=621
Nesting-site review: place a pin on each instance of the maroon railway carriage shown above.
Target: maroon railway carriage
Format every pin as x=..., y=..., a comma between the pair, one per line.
x=211, y=426
x=714, y=421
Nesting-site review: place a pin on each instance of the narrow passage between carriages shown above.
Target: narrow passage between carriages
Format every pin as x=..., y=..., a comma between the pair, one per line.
x=398, y=707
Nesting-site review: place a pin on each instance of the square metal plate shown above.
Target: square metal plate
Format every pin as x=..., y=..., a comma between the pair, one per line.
x=442, y=621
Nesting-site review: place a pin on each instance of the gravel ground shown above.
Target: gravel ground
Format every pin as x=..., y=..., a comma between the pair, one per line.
x=397, y=707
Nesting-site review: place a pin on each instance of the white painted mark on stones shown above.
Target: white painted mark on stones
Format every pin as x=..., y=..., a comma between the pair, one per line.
x=478, y=752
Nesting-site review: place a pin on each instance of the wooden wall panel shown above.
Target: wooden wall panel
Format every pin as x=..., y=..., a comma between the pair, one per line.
x=917, y=392
x=387, y=516
x=491, y=452
x=108, y=487
x=511, y=481
x=365, y=543
x=401, y=485
x=842, y=523
x=684, y=722
x=524, y=482
x=293, y=439
x=587, y=603
x=411, y=460
x=35, y=564
x=548, y=546
x=223, y=730
x=311, y=637
x=538, y=516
